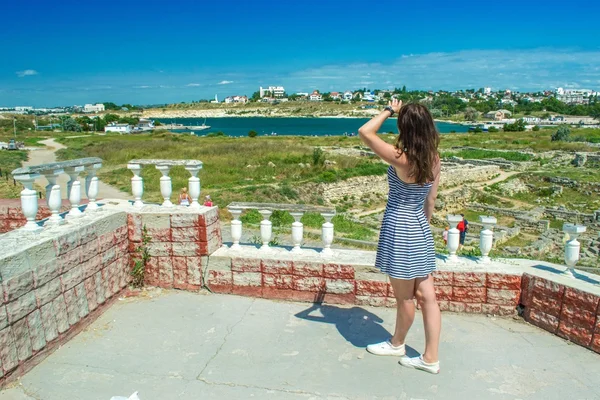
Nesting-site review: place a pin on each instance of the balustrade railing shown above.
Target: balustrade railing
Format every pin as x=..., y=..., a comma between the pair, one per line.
x=166, y=189
x=266, y=226
x=51, y=171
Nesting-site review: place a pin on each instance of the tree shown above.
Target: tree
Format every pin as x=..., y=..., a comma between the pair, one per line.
x=108, y=118
x=517, y=126
x=255, y=96
x=111, y=106
x=471, y=114
x=562, y=134
x=70, y=125
x=435, y=112
x=252, y=133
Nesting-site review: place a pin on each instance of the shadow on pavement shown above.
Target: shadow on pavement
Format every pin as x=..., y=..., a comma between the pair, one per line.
x=357, y=325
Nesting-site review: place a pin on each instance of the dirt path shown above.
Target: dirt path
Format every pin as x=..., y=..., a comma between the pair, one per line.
x=48, y=155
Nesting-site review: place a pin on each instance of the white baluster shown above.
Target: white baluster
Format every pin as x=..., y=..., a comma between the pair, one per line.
x=327, y=232
x=572, y=247
x=137, y=184
x=165, y=185
x=53, y=197
x=74, y=190
x=297, y=231
x=194, y=183
x=236, y=227
x=266, y=228
x=486, y=237
x=91, y=187
x=453, y=237
x=29, y=201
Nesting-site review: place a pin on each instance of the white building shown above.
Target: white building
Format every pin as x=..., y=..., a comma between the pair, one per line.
x=120, y=128
x=89, y=108
x=370, y=96
x=574, y=96
x=531, y=120
x=23, y=109
x=347, y=95
x=487, y=90
x=315, y=96
x=236, y=99
x=276, y=91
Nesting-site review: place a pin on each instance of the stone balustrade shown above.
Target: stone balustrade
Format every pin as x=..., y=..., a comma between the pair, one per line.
x=51, y=171
x=166, y=189
x=266, y=227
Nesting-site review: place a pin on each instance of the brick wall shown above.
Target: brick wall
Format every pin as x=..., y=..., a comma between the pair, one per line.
x=51, y=290
x=568, y=312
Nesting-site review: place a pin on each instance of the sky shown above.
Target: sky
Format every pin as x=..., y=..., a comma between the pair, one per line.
x=152, y=52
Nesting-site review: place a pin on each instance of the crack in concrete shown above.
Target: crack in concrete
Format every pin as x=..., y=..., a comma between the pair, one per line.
x=229, y=331
x=288, y=391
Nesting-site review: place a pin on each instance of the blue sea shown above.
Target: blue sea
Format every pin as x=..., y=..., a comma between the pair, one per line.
x=240, y=126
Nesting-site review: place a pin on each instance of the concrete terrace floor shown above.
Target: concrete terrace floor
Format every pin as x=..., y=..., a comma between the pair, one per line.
x=180, y=345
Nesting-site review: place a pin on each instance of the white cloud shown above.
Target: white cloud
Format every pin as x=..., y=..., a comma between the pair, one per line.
x=224, y=82
x=516, y=69
x=193, y=85
x=26, y=72
x=142, y=87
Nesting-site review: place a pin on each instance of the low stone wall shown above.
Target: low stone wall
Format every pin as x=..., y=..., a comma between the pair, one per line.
x=468, y=173
x=11, y=216
x=549, y=300
x=179, y=243
x=568, y=312
x=53, y=282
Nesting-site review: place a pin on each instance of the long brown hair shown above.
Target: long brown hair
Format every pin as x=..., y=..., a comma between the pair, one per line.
x=418, y=140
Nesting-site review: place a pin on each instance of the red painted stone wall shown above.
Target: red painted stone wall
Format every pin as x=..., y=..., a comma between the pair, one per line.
x=178, y=248
x=11, y=216
x=565, y=311
x=471, y=292
x=40, y=308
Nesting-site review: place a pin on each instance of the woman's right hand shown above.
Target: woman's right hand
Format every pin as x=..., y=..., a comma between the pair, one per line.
x=396, y=105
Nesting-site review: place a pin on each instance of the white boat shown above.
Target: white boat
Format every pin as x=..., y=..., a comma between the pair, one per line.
x=199, y=127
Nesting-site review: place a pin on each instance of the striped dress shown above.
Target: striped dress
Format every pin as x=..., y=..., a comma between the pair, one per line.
x=406, y=249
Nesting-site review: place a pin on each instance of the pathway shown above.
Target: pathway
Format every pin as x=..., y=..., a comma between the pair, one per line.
x=48, y=155
x=180, y=345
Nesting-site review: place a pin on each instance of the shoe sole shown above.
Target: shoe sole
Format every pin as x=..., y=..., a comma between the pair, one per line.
x=419, y=368
x=389, y=355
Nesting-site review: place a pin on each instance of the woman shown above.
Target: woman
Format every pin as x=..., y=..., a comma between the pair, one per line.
x=184, y=197
x=406, y=248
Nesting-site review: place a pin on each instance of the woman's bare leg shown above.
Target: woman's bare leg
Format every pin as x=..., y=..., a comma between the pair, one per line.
x=432, y=318
x=404, y=291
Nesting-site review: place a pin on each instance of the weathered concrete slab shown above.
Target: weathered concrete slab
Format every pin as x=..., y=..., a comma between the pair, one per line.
x=183, y=345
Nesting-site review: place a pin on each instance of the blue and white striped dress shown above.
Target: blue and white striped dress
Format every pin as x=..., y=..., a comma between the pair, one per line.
x=406, y=249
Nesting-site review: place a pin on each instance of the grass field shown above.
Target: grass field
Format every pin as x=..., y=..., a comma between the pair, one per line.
x=10, y=160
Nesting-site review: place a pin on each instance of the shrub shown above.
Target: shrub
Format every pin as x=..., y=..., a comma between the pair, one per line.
x=492, y=129
x=562, y=134
x=252, y=133
x=288, y=192
x=317, y=156
x=535, y=128
x=517, y=126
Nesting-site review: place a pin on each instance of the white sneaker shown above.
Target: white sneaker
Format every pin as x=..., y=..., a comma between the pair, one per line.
x=418, y=363
x=386, y=349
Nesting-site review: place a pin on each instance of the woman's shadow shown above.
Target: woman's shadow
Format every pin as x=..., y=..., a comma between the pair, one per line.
x=357, y=325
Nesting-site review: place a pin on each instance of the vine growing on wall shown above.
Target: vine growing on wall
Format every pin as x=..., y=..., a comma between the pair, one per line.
x=138, y=271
